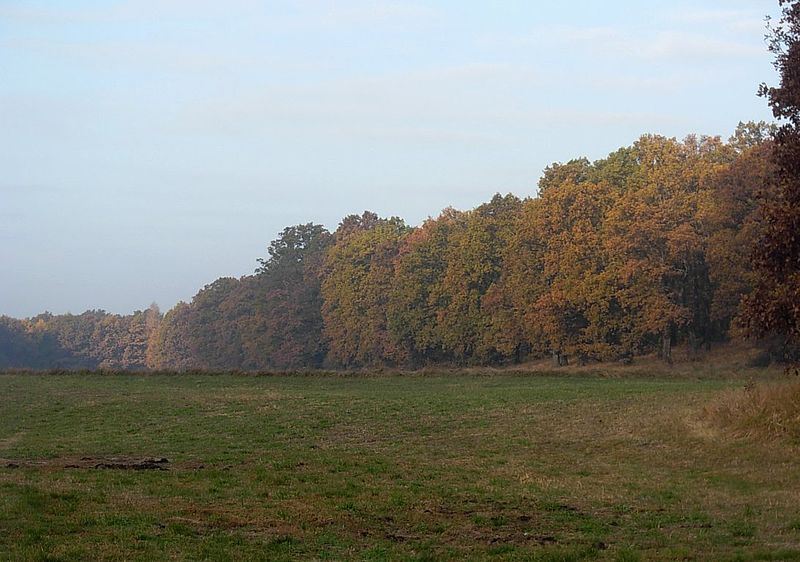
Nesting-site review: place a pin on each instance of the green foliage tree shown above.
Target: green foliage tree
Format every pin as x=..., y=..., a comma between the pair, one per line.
x=28, y=345
x=174, y=343
x=474, y=261
x=359, y=270
x=286, y=328
x=416, y=298
x=206, y=333
x=556, y=174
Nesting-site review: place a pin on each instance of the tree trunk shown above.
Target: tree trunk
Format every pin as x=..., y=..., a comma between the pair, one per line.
x=694, y=344
x=559, y=359
x=666, y=346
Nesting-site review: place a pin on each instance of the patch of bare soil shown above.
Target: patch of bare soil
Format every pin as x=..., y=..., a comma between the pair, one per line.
x=110, y=463
x=124, y=464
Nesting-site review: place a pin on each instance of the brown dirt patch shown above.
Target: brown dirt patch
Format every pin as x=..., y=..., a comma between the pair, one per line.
x=98, y=463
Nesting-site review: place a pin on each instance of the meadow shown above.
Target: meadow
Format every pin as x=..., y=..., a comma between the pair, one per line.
x=448, y=466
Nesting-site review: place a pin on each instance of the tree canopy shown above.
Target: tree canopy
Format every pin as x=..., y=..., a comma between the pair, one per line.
x=631, y=254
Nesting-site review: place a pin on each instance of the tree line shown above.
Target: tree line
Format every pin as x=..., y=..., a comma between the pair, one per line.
x=631, y=254
x=662, y=242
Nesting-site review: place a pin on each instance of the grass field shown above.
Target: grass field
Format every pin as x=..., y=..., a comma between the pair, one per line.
x=435, y=467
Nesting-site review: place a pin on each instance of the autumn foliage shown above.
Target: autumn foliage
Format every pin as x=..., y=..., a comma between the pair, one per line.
x=630, y=254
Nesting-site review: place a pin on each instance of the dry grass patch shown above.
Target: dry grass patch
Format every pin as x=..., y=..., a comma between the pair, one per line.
x=764, y=410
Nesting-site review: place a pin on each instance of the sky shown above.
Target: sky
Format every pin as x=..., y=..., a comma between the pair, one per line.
x=149, y=147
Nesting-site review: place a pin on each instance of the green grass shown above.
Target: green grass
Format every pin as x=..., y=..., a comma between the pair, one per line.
x=501, y=467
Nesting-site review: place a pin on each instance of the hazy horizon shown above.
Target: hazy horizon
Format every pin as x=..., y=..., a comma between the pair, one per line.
x=151, y=147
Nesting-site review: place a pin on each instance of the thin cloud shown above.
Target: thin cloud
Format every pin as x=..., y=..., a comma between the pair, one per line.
x=749, y=22
x=419, y=135
x=362, y=12
x=128, y=11
x=277, y=14
x=401, y=110
x=28, y=189
x=611, y=41
x=166, y=56
x=458, y=103
x=681, y=45
x=706, y=17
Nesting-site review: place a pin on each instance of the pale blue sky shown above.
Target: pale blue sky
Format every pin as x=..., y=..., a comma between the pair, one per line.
x=148, y=147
